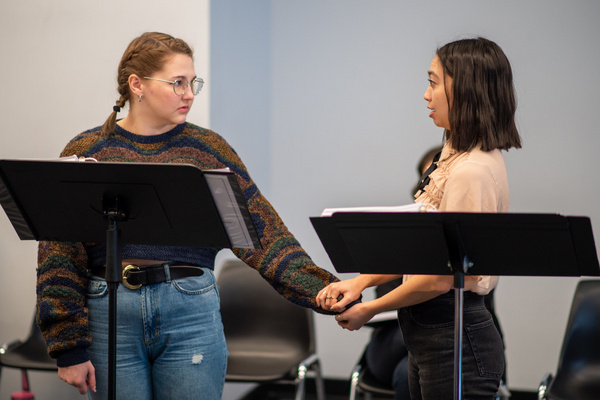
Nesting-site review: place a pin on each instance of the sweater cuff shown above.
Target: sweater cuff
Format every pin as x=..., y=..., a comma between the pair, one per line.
x=72, y=357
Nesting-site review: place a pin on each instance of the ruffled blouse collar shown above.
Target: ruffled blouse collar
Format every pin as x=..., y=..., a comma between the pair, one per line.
x=433, y=192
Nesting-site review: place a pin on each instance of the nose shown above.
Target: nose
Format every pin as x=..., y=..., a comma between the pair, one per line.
x=427, y=95
x=187, y=93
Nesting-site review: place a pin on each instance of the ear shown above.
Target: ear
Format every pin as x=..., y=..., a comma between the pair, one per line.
x=135, y=85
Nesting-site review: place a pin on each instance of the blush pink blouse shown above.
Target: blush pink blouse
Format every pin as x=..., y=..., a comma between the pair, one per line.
x=473, y=181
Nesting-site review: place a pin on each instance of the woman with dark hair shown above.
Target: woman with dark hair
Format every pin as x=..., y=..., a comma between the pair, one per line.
x=471, y=96
x=170, y=337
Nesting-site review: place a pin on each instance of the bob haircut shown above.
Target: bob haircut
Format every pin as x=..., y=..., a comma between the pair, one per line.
x=482, y=101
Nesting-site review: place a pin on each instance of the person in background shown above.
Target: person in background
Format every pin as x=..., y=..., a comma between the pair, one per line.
x=386, y=355
x=169, y=332
x=470, y=95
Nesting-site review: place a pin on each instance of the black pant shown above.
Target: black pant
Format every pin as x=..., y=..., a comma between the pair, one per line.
x=428, y=330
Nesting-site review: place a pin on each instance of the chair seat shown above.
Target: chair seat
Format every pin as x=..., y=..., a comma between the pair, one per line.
x=28, y=355
x=368, y=383
x=582, y=384
x=25, y=362
x=256, y=364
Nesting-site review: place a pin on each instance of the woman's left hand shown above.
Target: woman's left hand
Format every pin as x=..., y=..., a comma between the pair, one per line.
x=355, y=317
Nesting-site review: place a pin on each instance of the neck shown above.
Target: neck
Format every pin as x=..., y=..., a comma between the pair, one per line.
x=139, y=126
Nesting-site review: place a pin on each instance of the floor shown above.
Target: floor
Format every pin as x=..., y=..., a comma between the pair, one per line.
x=335, y=390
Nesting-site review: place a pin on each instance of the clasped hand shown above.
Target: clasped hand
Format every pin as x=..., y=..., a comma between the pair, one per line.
x=336, y=296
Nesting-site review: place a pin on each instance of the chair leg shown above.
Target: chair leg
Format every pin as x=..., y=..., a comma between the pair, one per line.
x=25, y=380
x=354, y=383
x=313, y=365
x=300, y=381
x=320, y=384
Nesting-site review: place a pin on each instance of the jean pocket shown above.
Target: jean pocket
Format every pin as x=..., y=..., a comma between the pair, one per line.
x=96, y=288
x=196, y=284
x=486, y=344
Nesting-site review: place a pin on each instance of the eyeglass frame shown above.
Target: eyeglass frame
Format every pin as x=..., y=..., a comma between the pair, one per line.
x=200, y=82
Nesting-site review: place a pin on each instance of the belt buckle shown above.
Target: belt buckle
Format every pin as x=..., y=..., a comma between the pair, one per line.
x=126, y=270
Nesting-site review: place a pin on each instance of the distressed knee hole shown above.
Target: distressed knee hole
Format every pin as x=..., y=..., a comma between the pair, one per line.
x=197, y=358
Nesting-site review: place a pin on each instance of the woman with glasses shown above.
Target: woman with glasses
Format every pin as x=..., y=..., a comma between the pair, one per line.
x=169, y=332
x=471, y=96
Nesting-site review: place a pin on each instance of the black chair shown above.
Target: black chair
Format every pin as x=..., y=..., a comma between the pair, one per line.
x=32, y=354
x=578, y=373
x=362, y=381
x=270, y=340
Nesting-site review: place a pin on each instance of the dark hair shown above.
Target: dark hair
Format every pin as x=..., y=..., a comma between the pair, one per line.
x=144, y=56
x=482, y=103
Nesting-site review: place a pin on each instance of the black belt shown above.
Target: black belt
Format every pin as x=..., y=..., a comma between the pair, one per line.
x=135, y=276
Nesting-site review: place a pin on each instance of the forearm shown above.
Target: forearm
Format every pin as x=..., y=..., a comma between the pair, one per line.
x=418, y=289
x=364, y=281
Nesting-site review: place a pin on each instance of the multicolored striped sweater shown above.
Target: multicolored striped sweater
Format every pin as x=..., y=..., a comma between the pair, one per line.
x=62, y=275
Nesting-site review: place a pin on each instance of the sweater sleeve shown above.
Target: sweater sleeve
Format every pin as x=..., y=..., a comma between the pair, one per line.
x=61, y=292
x=281, y=261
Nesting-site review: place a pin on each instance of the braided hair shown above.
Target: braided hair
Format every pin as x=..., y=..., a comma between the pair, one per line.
x=144, y=56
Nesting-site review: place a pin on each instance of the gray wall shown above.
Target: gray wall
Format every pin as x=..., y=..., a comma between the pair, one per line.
x=323, y=101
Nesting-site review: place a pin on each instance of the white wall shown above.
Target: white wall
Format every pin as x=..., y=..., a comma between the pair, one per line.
x=59, y=66
x=344, y=122
x=323, y=100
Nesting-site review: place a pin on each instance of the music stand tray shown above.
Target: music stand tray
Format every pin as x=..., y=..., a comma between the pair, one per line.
x=458, y=244
x=133, y=203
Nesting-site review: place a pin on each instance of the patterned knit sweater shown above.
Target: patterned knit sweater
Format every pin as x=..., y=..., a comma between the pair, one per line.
x=62, y=267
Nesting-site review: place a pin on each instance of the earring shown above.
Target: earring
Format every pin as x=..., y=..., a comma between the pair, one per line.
x=139, y=98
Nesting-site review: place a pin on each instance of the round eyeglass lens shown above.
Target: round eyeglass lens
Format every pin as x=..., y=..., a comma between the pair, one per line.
x=179, y=86
x=197, y=84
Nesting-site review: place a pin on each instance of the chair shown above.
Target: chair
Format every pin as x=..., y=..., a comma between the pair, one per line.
x=32, y=354
x=362, y=381
x=578, y=373
x=270, y=340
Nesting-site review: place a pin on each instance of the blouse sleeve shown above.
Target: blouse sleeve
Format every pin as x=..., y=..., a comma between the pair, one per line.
x=470, y=188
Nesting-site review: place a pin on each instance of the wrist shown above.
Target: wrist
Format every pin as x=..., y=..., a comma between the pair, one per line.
x=72, y=357
x=364, y=281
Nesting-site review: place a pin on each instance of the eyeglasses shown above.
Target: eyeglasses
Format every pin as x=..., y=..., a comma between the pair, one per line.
x=180, y=85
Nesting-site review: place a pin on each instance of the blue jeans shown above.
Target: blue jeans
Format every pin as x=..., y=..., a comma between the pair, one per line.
x=170, y=340
x=428, y=330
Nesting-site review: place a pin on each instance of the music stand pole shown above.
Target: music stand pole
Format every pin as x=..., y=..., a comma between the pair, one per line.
x=113, y=278
x=460, y=265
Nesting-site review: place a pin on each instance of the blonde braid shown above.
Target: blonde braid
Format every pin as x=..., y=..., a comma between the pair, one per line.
x=145, y=55
x=111, y=121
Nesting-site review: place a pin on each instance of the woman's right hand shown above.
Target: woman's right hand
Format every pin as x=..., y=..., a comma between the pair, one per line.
x=81, y=376
x=350, y=289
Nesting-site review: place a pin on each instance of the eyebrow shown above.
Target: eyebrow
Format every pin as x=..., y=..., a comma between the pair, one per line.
x=431, y=73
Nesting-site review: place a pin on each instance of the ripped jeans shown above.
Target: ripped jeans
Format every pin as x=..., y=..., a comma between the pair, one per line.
x=170, y=340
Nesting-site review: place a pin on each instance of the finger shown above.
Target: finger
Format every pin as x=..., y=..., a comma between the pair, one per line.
x=81, y=386
x=340, y=305
x=321, y=297
x=345, y=325
x=91, y=381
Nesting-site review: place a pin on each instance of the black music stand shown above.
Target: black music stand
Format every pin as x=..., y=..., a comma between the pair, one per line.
x=134, y=203
x=459, y=244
